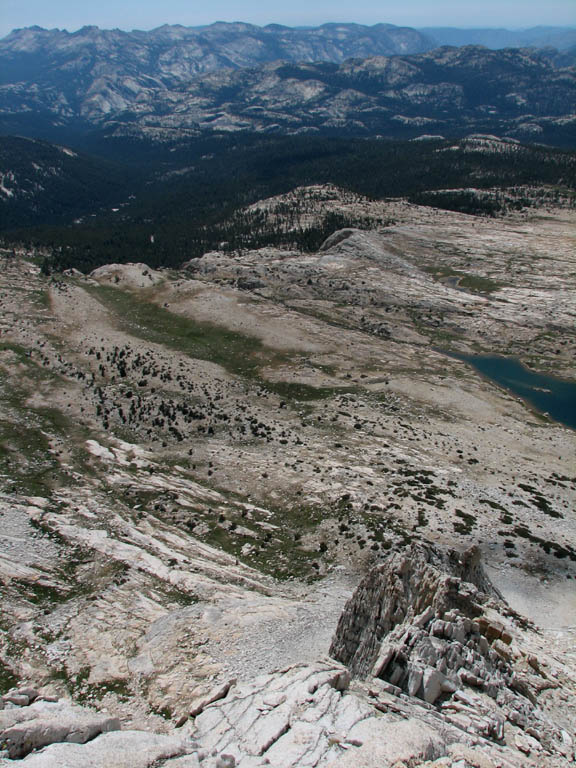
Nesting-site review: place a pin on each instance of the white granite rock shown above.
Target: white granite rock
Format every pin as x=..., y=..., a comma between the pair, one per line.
x=122, y=749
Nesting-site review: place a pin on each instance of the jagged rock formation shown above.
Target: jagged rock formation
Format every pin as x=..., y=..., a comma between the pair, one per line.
x=421, y=582
x=431, y=625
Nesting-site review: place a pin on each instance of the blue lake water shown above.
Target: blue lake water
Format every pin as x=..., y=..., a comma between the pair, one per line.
x=547, y=394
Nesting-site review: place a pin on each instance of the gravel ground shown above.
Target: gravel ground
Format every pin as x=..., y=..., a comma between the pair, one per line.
x=301, y=631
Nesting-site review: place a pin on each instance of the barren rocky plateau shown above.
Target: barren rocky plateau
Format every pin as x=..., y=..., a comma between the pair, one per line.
x=256, y=511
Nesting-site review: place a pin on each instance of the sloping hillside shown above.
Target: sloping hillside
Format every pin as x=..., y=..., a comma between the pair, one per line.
x=41, y=183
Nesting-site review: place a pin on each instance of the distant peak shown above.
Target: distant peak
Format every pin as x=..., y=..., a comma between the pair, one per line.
x=24, y=30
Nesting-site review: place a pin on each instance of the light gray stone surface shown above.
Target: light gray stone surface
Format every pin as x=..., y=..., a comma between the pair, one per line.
x=28, y=728
x=123, y=749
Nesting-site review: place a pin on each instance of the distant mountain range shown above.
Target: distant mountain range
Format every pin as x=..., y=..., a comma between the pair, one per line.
x=176, y=54
x=517, y=93
x=561, y=38
x=337, y=79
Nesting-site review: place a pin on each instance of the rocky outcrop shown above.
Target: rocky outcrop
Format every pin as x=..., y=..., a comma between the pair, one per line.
x=355, y=244
x=429, y=625
x=413, y=586
x=308, y=716
x=120, y=749
x=127, y=275
x=300, y=717
x=39, y=731
x=25, y=727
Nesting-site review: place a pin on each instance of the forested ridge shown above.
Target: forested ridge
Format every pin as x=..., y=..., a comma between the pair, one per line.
x=126, y=199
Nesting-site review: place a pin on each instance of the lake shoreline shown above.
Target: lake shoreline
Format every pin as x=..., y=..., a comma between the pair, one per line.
x=551, y=397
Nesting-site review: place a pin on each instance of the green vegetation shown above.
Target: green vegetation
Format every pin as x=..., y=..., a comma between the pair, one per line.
x=38, y=594
x=277, y=550
x=463, y=201
x=467, y=525
x=540, y=501
x=27, y=433
x=491, y=202
x=479, y=284
x=84, y=692
x=549, y=547
x=305, y=392
x=70, y=184
x=236, y=352
x=475, y=283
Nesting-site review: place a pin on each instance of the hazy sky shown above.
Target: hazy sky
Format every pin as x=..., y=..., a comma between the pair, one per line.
x=146, y=14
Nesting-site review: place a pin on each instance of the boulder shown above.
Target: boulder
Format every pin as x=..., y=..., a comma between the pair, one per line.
x=220, y=692
x=120, y=749
x=28, y=728
x=385, y=742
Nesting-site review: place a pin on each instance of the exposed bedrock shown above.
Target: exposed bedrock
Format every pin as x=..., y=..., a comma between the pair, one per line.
x=453, y=679
x=416, y=586
x=431, y=625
